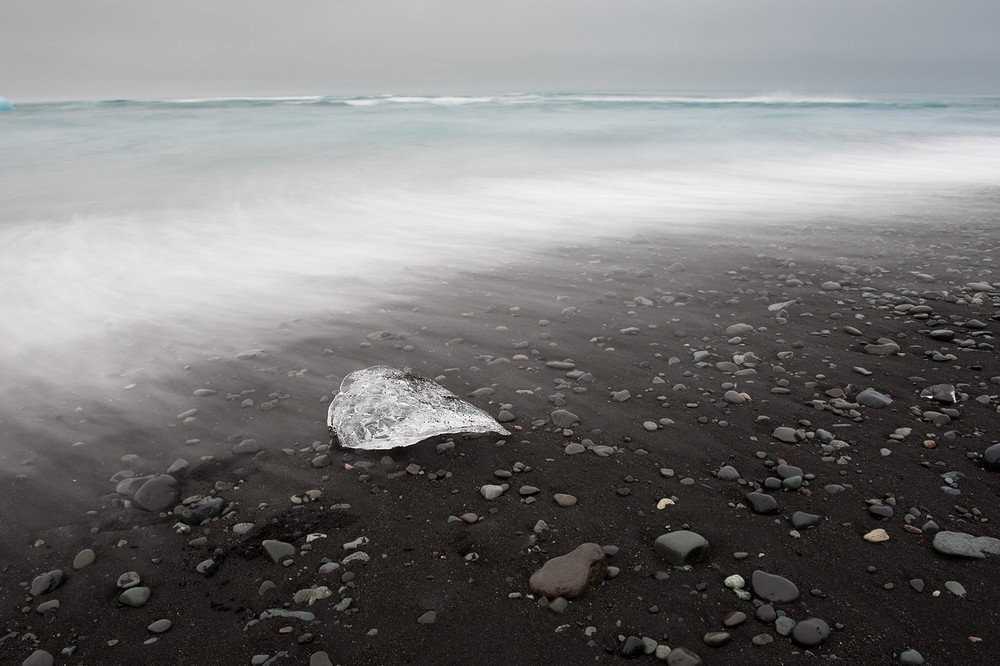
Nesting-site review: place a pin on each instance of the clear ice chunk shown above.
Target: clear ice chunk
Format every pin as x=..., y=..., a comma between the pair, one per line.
x=383, y=407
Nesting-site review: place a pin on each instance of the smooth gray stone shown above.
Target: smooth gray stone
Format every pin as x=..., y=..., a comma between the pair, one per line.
x=320, y=659
x=773, y=588
x=787, y=471
x=135, y=596
x=762, y=504
x=491, y=491
x=911, y=658
x=682, y=547
x=160, y=626
x=802, y=520
x=128, y=579
x=955, y=588
x=47, y=582
x=39, y=658
x=943, y=334
x=633, y=647
x=278, y=550
x=734, y=398
x=785, y=434
x=792, y=482
x=727, y=473
x=872, y=398
x=129, y=486
x=246, y=447
x=428, y=618
x=991, y=458
x=716, y=638
x=158, y=494
x=766, y=614
x=681, y=656
x=961, y=544
x=784, y=625
x=881, y=511
x=811, y=632
x=562, y=418
x=887, y=349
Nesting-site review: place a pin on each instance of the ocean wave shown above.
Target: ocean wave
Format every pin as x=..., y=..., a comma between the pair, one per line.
x=563, y=98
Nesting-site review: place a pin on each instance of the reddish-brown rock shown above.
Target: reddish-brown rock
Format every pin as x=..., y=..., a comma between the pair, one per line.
x=571, y=574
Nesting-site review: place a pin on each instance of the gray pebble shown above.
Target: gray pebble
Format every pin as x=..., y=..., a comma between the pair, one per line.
x=160, y=626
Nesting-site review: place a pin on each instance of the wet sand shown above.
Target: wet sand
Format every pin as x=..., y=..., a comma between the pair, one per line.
x=439, y=585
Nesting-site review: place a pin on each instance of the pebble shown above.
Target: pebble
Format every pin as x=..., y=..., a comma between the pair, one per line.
x=562, y=418
x=786, y=434
x=762, y=503
x=491, y=491
x=135, y=596
x=960, y=544
x=278, y=550
x=802, y=520
x=991, y=458
x=727, y=473
x=716, y=638
x=911, y=658
x=158, y=494
x=39, y=658
x=682, y=547
x=766, y=614
x=876, y=536
x=811, y=632
x=570, y=575
x=734, y=619
x=160, y=626
x=773, y=588
x=564, y=500
x=632, y=647
x=47, y=582
x=735, y=582
x=784, y=625
x=247, y=447
x=682, y=656
x=872, y=398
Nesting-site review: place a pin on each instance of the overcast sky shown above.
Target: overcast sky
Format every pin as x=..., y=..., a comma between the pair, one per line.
x=85, y=49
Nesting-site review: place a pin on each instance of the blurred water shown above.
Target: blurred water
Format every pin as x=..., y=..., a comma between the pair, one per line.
x=211, y=215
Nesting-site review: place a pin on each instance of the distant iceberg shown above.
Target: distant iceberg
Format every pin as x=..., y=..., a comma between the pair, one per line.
x=5, y=104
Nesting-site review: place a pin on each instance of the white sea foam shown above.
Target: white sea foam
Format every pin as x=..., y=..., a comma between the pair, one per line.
x=210, y=220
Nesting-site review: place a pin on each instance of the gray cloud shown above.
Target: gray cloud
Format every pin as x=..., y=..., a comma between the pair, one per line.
x=122, y=48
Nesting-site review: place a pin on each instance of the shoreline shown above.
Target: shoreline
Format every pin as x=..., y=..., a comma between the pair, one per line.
x=468, y=330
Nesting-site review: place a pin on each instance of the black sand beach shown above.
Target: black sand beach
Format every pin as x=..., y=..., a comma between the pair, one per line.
x=713, y=412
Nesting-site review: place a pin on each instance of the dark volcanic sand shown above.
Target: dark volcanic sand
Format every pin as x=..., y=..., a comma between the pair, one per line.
x=462, y=328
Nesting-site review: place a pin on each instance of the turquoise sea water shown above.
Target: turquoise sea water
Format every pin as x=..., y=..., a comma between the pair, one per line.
x=216, y=211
